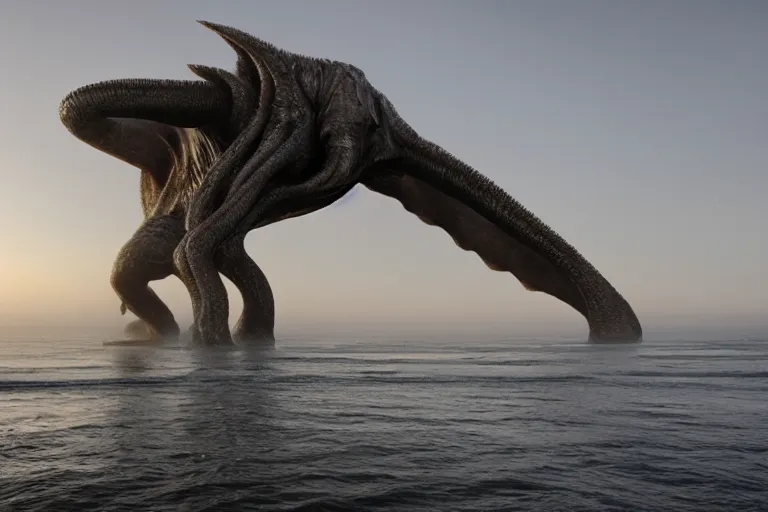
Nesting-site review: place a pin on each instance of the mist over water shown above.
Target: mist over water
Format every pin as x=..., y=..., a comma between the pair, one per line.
x=370, y=422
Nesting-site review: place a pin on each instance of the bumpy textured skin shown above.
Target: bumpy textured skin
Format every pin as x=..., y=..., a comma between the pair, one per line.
x=172, y=161
x=304, y=131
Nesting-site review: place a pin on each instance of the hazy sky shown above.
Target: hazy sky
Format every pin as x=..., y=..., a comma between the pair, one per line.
x=637, y=130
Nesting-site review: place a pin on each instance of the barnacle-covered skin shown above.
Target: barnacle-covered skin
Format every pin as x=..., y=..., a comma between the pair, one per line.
x=304, y=132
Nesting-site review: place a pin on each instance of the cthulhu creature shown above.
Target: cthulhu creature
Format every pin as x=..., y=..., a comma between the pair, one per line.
x=296, y=133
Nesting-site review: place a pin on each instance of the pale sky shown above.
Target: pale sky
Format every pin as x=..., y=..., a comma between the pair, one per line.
x=637, y=130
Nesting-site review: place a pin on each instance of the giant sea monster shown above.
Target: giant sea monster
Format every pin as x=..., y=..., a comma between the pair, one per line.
x=287, y=135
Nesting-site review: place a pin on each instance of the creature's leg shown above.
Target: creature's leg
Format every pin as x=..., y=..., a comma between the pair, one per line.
x=257, y=321
x=148, y=256
x=195, y=255
x=181, y=270
x=339, y=167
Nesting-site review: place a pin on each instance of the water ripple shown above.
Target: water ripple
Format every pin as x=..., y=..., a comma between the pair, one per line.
x=529, y=426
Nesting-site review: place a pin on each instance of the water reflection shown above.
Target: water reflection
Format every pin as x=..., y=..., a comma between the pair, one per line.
x=314, y=425
x=207, y=425
x=132, y=362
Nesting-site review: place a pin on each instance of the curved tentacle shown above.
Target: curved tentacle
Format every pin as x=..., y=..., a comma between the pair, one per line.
x=480, y=216
x=257, y=320
x=220, y=174
x=244, y=101
x=266, y=56
x=246, y=68
x=148, y=257
x=349, y=115
x=223, y=223
x=290, y=104
x=122, y=117
x=194, y=257
x=206, y=193
x=333, y=180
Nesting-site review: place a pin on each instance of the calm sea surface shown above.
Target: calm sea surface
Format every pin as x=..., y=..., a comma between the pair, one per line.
x=383, y=424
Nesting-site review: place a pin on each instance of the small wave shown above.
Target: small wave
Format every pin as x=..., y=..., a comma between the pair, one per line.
x=397, y=378
x=697, y=374
x=20, y=385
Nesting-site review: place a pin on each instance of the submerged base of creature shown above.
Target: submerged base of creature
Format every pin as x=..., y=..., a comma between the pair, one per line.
x=286, y=135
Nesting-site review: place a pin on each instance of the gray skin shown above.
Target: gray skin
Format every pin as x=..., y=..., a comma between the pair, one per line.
x=307, y=130
x=170, y=157
x=148, y=256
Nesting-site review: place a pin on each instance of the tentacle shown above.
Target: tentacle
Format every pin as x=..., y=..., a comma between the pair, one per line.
x=266, y=56
x=257, y=321
x=223, y=223
x=218, y=177
x=181, y=254
x=290, y=105
x=483, y=218
x=183, y=271
x=246, y=68
x=348, y=116
x=116, y=116
x=273, y=72
x=244, y=100
x=220, y=174
x=276, y=138
x=338, y=174
x=147, y=256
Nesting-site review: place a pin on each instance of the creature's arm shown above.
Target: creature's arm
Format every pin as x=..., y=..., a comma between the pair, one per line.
x=128, y=118
x=481, y=217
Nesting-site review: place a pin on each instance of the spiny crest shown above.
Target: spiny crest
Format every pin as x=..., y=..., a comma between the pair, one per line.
x=250, y=43
x=260, y=51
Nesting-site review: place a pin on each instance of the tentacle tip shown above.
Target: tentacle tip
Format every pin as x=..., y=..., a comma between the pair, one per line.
x=205, y=72
x=198, y=68
x=210, y=25
x=230, y=34
x=221, y=30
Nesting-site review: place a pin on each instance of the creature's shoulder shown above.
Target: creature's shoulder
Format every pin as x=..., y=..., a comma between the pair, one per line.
x=368, y=96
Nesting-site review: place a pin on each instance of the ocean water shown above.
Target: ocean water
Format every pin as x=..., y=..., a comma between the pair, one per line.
x=385, y=424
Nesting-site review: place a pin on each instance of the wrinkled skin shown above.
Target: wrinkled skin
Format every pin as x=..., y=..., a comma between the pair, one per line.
x=167, y=162
x=148, y=256
x=304, y=132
